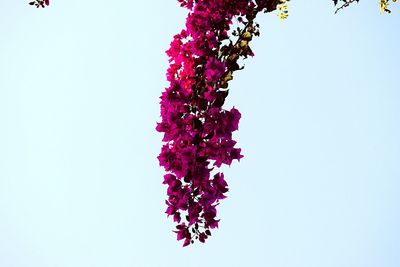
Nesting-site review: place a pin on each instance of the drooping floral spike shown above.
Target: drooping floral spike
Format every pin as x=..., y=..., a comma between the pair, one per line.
x=197, y=129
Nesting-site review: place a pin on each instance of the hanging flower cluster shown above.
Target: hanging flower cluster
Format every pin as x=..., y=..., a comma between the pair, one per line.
x=197, y=129
x=40, y=3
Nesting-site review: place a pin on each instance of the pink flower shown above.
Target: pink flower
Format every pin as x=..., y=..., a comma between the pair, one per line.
x=214, y=70
x=197, y=130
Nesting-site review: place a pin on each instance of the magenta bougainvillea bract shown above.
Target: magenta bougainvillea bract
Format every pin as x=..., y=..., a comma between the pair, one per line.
x=197, y=129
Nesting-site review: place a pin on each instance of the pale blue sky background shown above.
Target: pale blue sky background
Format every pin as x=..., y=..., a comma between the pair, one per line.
x=80, y=185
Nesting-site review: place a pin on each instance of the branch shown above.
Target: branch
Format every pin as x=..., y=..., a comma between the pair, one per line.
x=346, y=4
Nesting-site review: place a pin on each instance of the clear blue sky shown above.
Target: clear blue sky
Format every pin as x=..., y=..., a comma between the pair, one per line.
x=80, y=184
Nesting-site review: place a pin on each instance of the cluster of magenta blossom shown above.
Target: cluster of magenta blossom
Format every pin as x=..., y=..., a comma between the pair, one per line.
x=40, y=3
x=197, y=130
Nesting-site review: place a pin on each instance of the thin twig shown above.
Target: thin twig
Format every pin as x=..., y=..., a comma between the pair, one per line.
x=346, y=4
